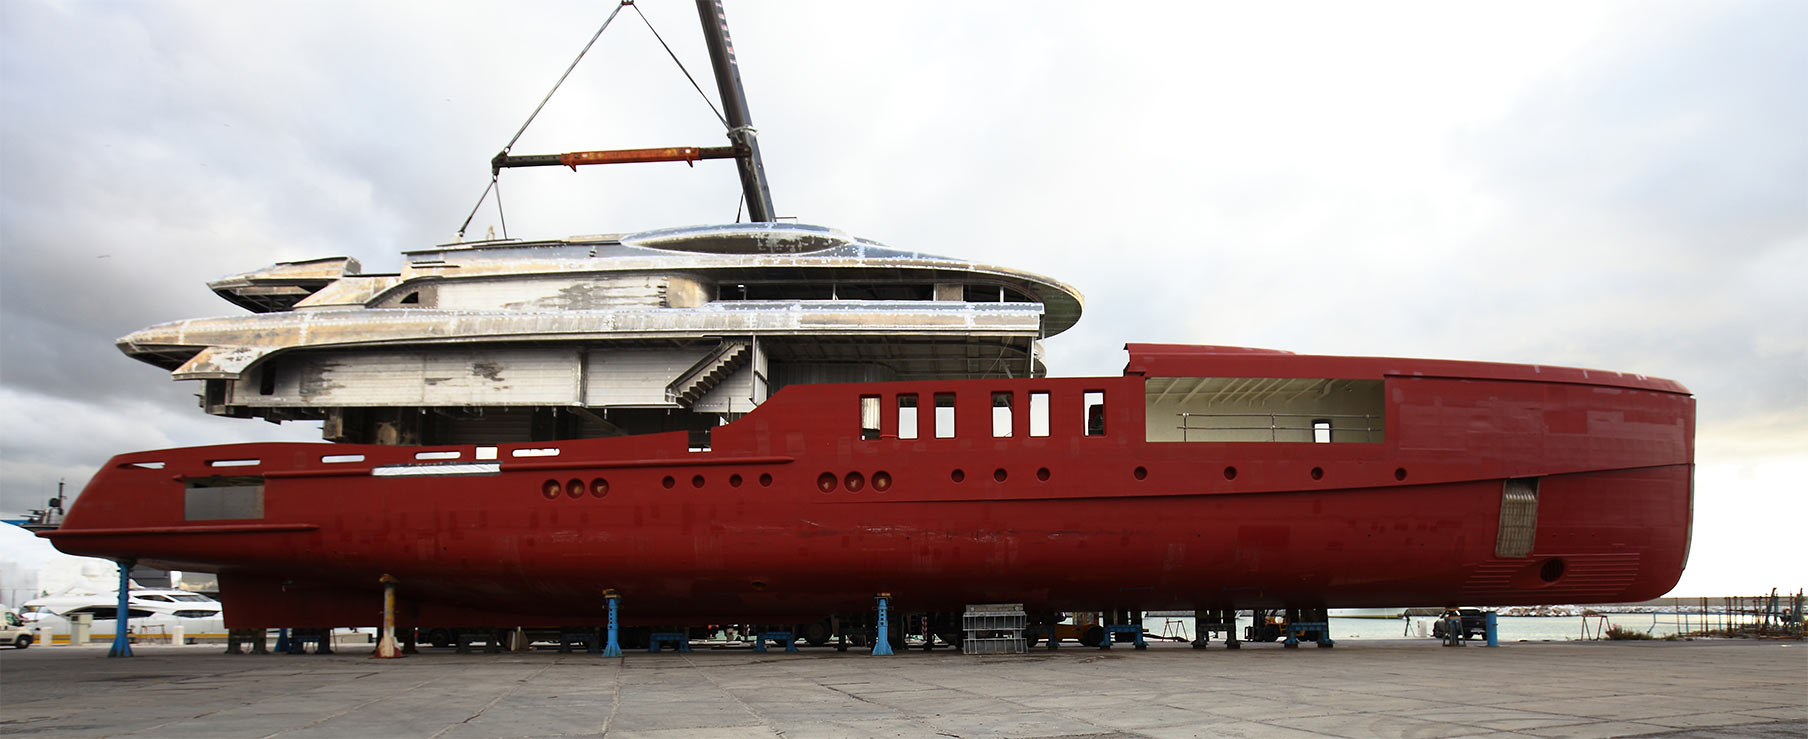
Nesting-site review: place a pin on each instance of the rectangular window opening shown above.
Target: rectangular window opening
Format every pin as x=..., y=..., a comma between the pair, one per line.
x=1001, y=415
x=1321, y=431
x=1038, y=413
x=907, y=416
x=342, y=458
x=869, y=417
x=944, y=415
x=1095, y=412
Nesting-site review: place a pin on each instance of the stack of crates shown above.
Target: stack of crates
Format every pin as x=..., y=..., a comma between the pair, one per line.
x=994, y=628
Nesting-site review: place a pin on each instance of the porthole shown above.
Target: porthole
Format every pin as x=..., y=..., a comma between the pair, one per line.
x=1230, y=473
x=599, y=487
x=957, y=475
x=669, y=482
x=734, y=481
x=999, y=474
x=1552, y=570
x=696, y=481
x=854, y=482
x=1140, y=473
x=1318, y=473
x=826, y=482
x=575, y=488
x=881, y=481
x=551, y=489
x=765, y=480
x=1042, y=474
x=1400, y=473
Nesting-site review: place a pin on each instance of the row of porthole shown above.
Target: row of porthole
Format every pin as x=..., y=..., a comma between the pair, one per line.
x=853, y=482
x=599, y=487
x=998, y=475
x=1230, y=473
x=698, y=481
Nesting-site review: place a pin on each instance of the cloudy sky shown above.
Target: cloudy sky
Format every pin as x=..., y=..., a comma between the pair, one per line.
x=1611, y=185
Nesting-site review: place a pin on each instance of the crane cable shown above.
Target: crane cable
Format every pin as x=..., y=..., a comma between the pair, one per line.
x=530, y=119
x=495, y=182
x=687, y=73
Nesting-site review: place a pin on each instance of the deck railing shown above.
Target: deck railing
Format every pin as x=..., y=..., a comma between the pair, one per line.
x=1342, y=424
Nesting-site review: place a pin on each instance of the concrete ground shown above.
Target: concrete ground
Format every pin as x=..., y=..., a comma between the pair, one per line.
x=1359, y=689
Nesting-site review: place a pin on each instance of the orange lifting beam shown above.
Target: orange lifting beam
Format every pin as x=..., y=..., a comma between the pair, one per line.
x=686, y=154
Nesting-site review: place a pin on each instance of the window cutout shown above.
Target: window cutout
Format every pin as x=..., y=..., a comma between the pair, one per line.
x=233, y=463
x=546, y=452
x=1001, y=415
x=485, y=452
x=435, y=455
x=1038, y=413
x=907, y=416
x=342, y=458
x=944, y=415
x=869, y=417
x=1095, y=413
x=1321, y=431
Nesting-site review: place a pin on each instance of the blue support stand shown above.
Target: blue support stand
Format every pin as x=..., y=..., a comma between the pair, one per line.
x=122, y=639
x=882, y=642
x=282, y=641
x=1493, y=629
x=613, y=648
x=783, y=637
x=1111, y=633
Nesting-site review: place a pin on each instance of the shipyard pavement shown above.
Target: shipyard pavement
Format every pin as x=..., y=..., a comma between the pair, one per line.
x=1359, y=689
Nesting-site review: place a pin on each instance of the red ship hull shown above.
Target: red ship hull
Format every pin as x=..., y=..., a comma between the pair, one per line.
x=793, y=513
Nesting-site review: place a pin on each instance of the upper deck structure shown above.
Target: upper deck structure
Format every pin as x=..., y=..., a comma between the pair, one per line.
x=675, y=329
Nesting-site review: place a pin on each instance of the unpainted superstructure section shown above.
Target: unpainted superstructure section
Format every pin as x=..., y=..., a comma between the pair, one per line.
x=681, y=329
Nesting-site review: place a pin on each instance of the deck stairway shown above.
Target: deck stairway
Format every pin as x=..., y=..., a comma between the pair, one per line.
x=709, y=371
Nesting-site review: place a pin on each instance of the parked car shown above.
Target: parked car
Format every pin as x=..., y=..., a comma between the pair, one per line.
x=1475, y=624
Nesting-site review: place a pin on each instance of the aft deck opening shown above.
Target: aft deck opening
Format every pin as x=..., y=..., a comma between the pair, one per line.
x=1252, y=409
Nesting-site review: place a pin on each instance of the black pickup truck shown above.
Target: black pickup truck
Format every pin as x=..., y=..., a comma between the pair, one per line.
x=1474, y=624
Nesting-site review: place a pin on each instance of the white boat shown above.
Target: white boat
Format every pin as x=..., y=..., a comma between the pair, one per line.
x=1368, y=613
x=154, y=613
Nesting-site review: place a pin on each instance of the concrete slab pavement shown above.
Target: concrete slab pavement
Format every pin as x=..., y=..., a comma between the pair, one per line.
x=1359, y=689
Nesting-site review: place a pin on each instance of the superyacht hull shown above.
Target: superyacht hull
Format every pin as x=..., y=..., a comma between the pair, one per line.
x=1365, y=482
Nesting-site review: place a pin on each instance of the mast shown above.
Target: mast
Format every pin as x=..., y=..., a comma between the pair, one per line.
x=734, y=105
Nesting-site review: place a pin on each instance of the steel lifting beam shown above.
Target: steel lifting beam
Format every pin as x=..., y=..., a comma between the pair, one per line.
x=686, y=154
